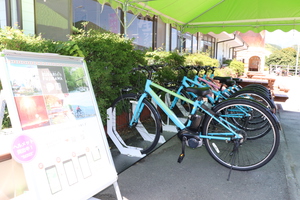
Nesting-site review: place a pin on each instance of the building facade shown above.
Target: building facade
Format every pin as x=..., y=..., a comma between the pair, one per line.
x=254, y=56
x=55, y=19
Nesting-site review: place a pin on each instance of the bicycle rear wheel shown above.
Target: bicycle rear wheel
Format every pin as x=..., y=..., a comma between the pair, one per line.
x=246, y=154
x=145, y=132
x=257, y=96
x=258, y=87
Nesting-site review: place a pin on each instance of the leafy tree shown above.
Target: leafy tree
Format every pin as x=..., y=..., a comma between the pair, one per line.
x=286, y=56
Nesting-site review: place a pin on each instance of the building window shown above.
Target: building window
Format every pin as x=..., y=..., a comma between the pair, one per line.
x=90, y=14
x=3, y=13
x=195, y=44
x=141, y=29
x=11, y=13
x=104, y=18
x=53, y=20
x=187, y=43
x=208, y=45
x=174, y=39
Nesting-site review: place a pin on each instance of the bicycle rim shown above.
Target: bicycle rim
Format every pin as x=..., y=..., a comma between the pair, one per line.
x=256, y=96
x=251, y=153
x=145, y=133
x=255, y=124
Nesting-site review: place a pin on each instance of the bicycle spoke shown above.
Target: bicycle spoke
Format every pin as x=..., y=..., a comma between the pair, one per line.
x=257, y=147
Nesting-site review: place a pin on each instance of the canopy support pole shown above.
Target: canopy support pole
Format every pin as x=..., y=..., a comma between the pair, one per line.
x=297, y=59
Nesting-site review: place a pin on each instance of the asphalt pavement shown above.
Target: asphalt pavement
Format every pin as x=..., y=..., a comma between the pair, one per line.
x=158, y=176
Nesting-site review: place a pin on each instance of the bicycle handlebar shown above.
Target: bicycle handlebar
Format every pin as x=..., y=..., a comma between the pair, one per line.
x=155, y=67
x=149, y=68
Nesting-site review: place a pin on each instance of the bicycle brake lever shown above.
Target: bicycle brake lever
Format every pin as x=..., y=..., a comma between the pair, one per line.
x=127, y=89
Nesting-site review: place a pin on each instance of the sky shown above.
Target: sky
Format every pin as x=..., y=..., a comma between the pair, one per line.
x=283, y=39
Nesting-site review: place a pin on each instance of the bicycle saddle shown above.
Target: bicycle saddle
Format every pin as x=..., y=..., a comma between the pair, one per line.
x=222, y=78
x=199, y=91
x=238, y=80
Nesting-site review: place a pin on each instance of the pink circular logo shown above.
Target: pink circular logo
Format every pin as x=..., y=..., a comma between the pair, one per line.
x=23, y=149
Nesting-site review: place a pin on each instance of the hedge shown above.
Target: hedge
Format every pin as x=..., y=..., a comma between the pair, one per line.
x=110, y=59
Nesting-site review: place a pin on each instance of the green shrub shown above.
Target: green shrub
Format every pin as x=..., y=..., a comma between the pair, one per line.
x=168, y=72
x=237, y=67
x=6, y=120
x=227, y=62
x=201, y=59
x=109, y=59
x=15, y=39
x=226, y=71
x=174, y=60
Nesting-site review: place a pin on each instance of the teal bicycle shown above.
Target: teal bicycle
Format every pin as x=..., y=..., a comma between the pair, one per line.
x=222, y=129
x=182, y=108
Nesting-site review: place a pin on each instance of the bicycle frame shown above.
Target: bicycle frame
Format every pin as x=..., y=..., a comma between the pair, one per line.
x=196, y=105
x=187, y=82
x=209, y=81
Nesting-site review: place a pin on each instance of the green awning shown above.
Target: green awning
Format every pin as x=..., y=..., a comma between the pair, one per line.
x=218, y=16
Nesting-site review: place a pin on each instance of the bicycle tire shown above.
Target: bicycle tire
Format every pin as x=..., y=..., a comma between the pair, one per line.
x=257, y=96
x=145, y=133
x=259, y=88
x=251, y=154
x=267, y=94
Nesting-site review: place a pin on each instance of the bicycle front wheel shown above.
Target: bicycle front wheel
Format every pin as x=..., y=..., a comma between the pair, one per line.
x=247, y=154
x=144, y=133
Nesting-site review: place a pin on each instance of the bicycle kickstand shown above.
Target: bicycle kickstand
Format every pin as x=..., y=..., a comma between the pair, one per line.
x=234, y=151
x=181, y=156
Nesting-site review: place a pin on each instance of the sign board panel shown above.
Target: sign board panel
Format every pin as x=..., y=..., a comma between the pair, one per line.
x=59, y=136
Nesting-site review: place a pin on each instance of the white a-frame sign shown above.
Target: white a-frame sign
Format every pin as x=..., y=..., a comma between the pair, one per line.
x=58, y=135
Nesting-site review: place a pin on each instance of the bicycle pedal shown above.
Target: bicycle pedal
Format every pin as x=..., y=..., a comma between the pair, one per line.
x=180, y=158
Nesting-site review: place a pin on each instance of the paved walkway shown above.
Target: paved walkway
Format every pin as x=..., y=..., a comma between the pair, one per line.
x=159, y=176
x=289, y=116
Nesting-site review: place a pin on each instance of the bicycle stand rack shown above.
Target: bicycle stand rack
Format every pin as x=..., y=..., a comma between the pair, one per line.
x=167, y=126
x=119, y=142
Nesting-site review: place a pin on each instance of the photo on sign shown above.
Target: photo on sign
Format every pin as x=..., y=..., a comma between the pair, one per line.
x=32, y=112
x=47, y=95
x=52, y=79
x=58, y=108
x=79, y=98
x=25, y=80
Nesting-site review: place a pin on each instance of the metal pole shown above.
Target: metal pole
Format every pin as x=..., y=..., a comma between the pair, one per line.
x=125, y=9
x=297, y=58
